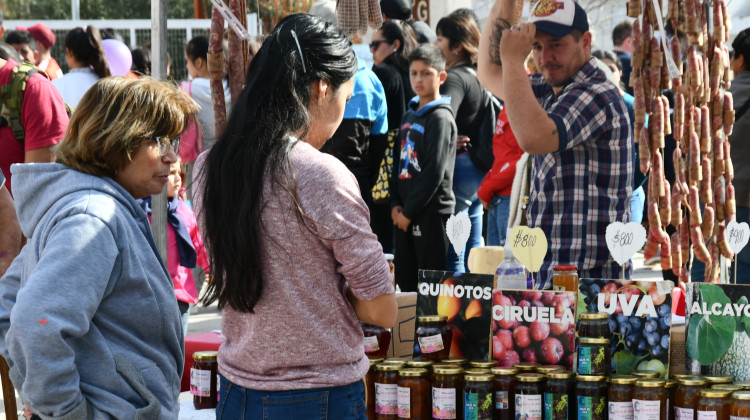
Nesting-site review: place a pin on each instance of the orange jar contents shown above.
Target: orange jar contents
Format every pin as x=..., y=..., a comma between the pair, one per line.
x=386, y=391
x=414, y=394
x=478, y=396
x=565, y=277
x=686, y=396
x=620, y=397
x=650, y=400
x=370, y=388
x=204, y=380
x=505, y=392
x=714, y=404
x=740, y=407
x=434, y=337
x=529, y=395
x=447, y=393
x=377, y=340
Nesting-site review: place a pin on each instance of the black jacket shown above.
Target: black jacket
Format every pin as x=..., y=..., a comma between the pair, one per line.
x=398, y=91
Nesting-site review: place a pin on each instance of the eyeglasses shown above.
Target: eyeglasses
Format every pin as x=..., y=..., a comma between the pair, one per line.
x=375, y=44
x=165, y=142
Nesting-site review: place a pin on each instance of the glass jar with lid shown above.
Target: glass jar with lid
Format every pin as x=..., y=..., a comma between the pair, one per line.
x=476, y=371
x=447, y=393
x=414, y=394
x=620, y=397
x=478, y=396
x=718, y=379
x=529, y=394
x=649, y=399
x=204, y=380
x=687, y=394
x=434, y=337
x=545, y=369
x=505, y=391
x=565, y=277
x=461, y=362
x=377, y=340
x=526, y=367
x=645, y=374
x=593, y=325
x=714, y=404
x=370, y=388
x=559, y=392
x=591, y=396
x=482, y=364
x=420, y=364
x=740, y=407
x=727, y=387
x=386, y=391
x=594, y=356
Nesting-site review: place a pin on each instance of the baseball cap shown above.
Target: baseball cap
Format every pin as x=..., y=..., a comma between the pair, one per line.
x=41, y=33
x=558, y=17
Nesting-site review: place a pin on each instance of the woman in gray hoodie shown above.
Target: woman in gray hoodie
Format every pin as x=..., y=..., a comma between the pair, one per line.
x=88, y=316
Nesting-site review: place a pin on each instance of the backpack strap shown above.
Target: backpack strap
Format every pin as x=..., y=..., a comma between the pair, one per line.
x=11, y=98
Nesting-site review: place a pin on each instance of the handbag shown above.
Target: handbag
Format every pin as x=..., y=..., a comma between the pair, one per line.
x=380, y=189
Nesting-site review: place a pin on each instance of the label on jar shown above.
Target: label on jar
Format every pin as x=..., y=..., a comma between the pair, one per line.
x=478, y=405
x=386, y=398
x=621, y=410
x=738, y=418
x=592, y=408
x=683, y=413
x=443, y=403
x=431, y=343
x=555, y=406
x=501, y=400
x=371, y=344
x=404, y=402
x=706, y=415
x=646, y=409
x=584, y=360
x=200, y=382
x=529, y=406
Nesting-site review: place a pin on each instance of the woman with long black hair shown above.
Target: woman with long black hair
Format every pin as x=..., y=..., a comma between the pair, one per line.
x=87, y=60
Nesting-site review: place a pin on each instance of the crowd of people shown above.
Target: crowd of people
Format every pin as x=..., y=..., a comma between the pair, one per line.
x=324, y=165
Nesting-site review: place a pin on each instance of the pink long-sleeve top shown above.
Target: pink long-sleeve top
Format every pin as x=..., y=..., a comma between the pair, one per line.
x=182, y=277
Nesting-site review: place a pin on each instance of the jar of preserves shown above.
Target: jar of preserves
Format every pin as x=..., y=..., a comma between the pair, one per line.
x=478, y=396
x=686, y=396
x=204, y=380
x=370, y=388
x=565, y=277
x=650, y=400
x=620, y=397
x=482, y=364
x=434, y=337
x=593, y=325
x=714, y=404
x=740, y=407
x=529, y=394
x=713, y=380
x=414, y=394
x=377, y=340
x=505, y=391
x=645, y=374
x=420, y=364
x=545, y=369
x=386, y=391
x=591, y=397
x=593, y=356
x=447, y=393
x=526, y=367
x=559, y=392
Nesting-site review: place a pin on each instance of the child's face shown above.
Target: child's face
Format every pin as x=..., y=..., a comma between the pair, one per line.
x=425, y=80
x=174, y=180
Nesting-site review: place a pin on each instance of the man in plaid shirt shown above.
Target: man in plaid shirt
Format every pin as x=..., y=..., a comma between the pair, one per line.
x=574, y=123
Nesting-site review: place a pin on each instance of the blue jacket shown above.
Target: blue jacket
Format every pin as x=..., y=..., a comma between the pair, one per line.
x=89, y=322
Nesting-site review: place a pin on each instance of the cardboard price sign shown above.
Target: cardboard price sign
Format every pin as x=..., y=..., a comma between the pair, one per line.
x=624, y=240
x=529, y=246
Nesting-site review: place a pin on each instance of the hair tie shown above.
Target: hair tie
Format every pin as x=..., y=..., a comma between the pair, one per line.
x=299, y=48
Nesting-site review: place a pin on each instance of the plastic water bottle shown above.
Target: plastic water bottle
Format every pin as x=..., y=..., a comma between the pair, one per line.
x=510, y=274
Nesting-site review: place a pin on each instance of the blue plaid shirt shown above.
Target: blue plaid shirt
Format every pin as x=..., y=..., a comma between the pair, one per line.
x=586, y=185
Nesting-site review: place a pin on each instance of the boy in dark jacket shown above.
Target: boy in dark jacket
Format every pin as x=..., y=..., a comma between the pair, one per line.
x=422, y=195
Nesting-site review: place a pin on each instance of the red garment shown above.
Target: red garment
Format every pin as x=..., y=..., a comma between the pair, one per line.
x=505, y=148
x=43, y=117
x=182, y=277
x=51, y=67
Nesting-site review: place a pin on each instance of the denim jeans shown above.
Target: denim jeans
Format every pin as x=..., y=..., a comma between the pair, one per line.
x=637, y=201
x=466, y=180
x=342, y=402
x=497, y=220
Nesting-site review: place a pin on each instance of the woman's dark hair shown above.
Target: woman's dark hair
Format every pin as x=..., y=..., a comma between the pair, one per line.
x=461, y=29
x=197, y=48
x=392, y=30
x=300, y=50
x=741, y=46
x=608, y=55
x=86, y=47
x=141, y=61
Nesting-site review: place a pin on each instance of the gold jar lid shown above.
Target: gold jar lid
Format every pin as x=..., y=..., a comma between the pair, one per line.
x=447, y=370
x=204, y=356
x=399, y=362
x=503, y=371
x=684, y=375
x=591, y=378
x=646, y=374
x=622, y=379
x=423, y=364
x=692, y=381
x=557, y=374
x=593, y=315
x=388, y=367
x=529, y=377
x=727, y=387
x=483, y=364
x=719, y=379
x=376, y=361
x=670, y=383
x=743, y=384
x=478, y=377
x=741, y=395
x=446, y=366
x=549, y=368
x=714, y=393
x=587, y=340
x=650, y=383
x=455, y=361
x=477, y=371
x=432, y=318
x=526, y=366
x=412, y=372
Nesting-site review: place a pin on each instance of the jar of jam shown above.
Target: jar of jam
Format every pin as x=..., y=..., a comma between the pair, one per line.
x=593, y=325
x=593, y=356
x=526, y=367
x=482, y=364
x=370, y=388
x=529, y=395
x=545, y=369
x=686, y=396
x=671, y=386
x=434, y=337
x=650, y=400
x=740, y=407
x=620, y=397
x=505, y=391
x=420, y=364
x=565, y=277
x=645, y=374
x=714, y=404
x=559, y=392
x=203, y=380
x=386, y=391
x=414, y=394
x=377, y=340
x=447, y=393
x=591, y=397
x=713, y=380
x=478, y=396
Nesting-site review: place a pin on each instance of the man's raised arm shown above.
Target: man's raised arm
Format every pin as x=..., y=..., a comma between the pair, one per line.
x=489, y=70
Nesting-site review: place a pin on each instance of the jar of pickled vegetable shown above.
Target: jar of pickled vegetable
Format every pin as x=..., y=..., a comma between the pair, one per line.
x=650, y=400
x=591, y=397
x=386, y=391
x=565, y=277
x=203, y=380
x=593, y=356
x=686, y=396
x=559, y=392
x=447, y=393
x=505, y=391
x=529, y=395
x=593, y=325
x=740, y=407
x=713, y=404
x=370, y=388
x=478, y=396
x=620, y=397
x=414, y=394
x=377, y=340
x=434, y=337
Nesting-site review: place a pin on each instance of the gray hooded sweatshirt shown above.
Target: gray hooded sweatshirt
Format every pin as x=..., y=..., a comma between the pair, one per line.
x=88, y=316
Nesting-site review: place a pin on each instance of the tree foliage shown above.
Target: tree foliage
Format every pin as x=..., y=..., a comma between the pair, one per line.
x=92, y=9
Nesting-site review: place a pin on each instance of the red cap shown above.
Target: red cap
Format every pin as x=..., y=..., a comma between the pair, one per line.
x=41, y=33
x=565, y=267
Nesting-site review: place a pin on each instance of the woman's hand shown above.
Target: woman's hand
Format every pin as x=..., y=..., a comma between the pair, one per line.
x=486, y=205
x=402, y=222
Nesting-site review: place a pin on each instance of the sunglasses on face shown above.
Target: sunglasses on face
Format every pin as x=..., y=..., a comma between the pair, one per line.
x=165, y=143
x=375, y=44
